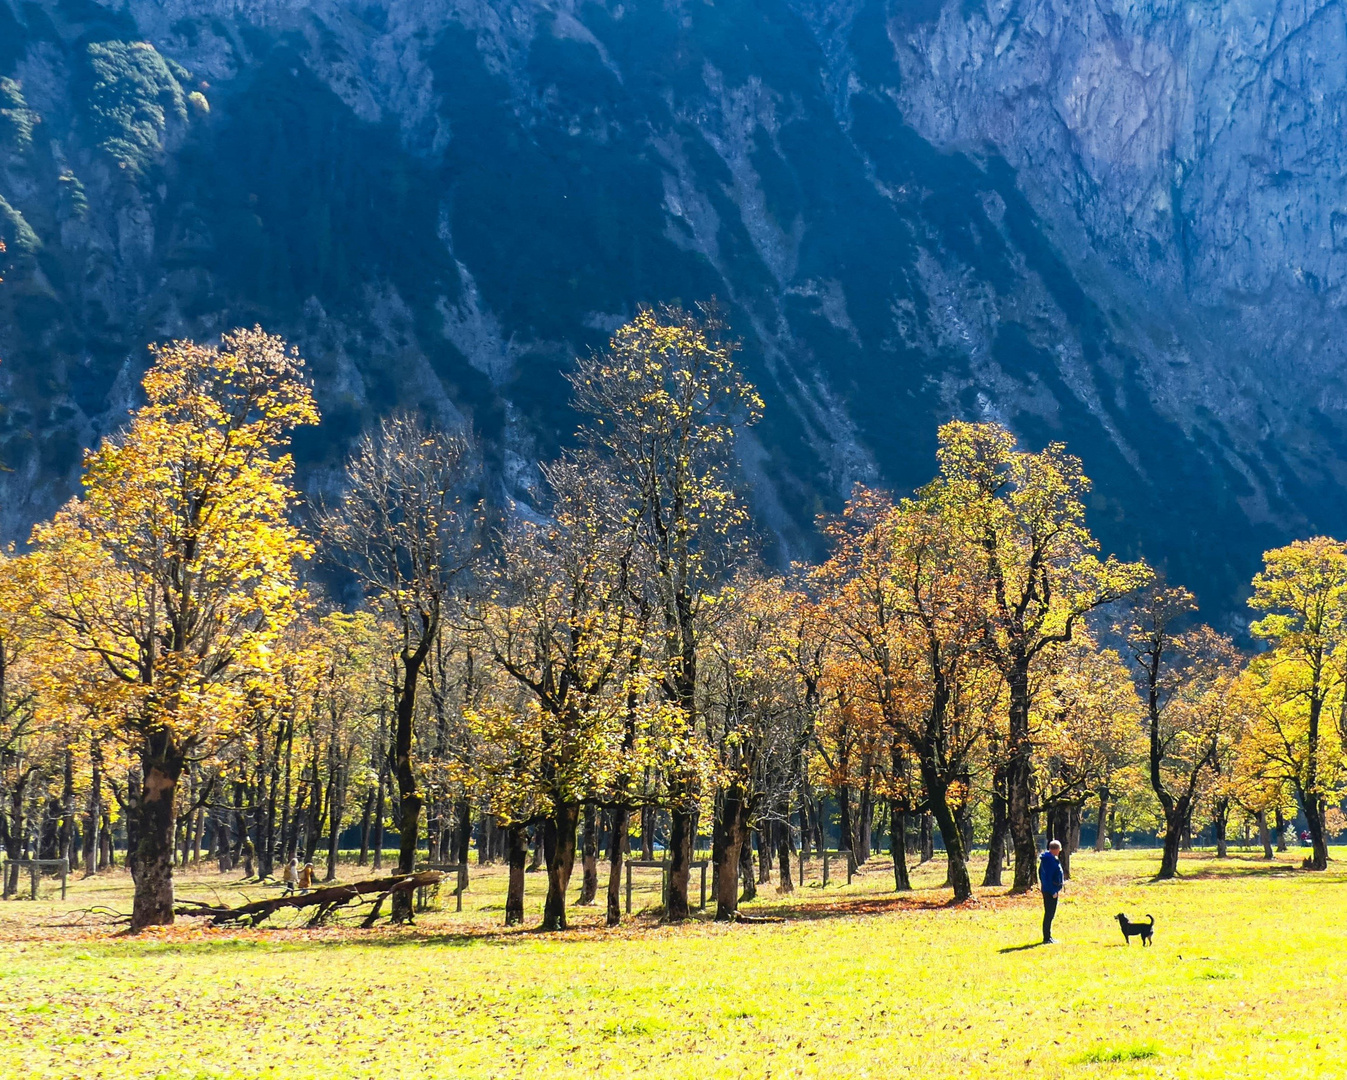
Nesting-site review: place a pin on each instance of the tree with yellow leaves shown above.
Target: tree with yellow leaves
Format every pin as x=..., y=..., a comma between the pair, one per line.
x=1299, y=684
x=175, y=571
x=662, y=405
x=1087, y=736
x=1023, y=516
x=566, y=625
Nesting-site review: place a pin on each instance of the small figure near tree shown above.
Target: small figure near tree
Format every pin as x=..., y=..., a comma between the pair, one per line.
x=1050, y=881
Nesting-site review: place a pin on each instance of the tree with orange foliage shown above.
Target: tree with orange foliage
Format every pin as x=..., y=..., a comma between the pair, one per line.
x=906, y=604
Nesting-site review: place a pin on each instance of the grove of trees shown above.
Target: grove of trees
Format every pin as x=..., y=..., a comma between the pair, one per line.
x=197, y=663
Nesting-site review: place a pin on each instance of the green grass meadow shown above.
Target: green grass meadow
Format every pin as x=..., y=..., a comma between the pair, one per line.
x=1246, y=978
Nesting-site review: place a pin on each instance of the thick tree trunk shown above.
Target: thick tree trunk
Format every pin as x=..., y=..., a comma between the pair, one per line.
x=952, y=835
x=150, y=850
x=927, y=837
x=617, y=851
x=680, y=863
x=1280, y=822
x=589, y=887
x=1315, y=811
x=1174, y=823
x=902, y=882
x=464, y=832
x=559, y=848
x=727, y=842
x=1221, y=822
x=764, y=831
x=1264, y=836
x=517, y=851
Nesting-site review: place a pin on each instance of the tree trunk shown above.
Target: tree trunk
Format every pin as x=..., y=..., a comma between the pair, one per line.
x=379, y=814
x=67, y=838
x=1315, y=810
x=950, y=832
x=617, y=850
x=927, y=838
x=516, y=854
x=647, y=833
x=746, y=875
x=764, y=831
x=95, y=818
x=536, y=863
x=846, y=838
x=1221, y=821
x=996, y=846
x=1280, y=822
x=1169, y=859
x=150, y=850
x=484, y=827
x=589, y=888
x=1263, y=835
x=902, y=882
x=681, y=830
x=864, y=823
x=464, y=828
x=409, y=819
x=1019, y=779
x=728, y=841
x=559, y=848
x=366, y=816
x=1101, y=826
x=785, y=884
x=336, y=807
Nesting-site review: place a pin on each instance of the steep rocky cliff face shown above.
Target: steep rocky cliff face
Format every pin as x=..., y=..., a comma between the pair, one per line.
x=1122, y=224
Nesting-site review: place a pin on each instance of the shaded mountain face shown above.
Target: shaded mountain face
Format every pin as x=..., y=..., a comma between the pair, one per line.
x=1119, y=224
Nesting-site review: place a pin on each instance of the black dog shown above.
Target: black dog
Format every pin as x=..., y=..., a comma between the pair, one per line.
x=1130, y=928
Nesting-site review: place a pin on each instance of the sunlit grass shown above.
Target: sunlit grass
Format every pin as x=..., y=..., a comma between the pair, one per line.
x=1244, y=979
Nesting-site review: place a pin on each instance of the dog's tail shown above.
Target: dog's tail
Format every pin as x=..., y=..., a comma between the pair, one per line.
x=1152, y=919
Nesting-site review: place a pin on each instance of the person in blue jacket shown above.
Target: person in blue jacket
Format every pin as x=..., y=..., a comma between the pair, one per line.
x=1050, y=881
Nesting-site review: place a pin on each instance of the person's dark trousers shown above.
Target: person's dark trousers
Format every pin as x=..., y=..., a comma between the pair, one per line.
x=1049, y=910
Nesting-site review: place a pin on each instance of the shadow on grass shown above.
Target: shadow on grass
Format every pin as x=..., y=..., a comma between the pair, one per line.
x=1021, y=948
x=1232, y=871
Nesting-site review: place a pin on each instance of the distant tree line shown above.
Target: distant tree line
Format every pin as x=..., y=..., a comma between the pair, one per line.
x=614, y=666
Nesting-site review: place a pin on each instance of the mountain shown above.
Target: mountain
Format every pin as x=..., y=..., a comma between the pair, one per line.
x=1119, y=223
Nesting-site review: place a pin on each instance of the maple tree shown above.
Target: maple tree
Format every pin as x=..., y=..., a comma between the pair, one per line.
x=1023, y=514
x=175, y=569
x=662, y=404
x=1300, y=727
x=403, y=527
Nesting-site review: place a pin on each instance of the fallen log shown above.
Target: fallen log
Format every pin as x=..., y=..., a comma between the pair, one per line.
x=331, y=897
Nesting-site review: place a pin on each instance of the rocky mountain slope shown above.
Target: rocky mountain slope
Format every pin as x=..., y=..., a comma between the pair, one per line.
x=1121, y=223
